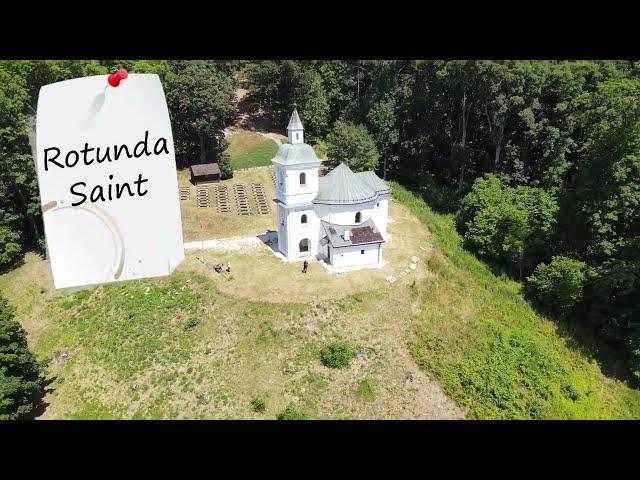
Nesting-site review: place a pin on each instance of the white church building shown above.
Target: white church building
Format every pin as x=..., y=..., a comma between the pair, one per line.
x=340, y=218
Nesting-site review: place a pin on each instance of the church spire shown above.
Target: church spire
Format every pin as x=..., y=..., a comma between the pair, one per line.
x=295, y=130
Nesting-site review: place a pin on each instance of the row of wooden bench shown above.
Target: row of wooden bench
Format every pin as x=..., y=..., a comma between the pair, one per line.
x=223, y=204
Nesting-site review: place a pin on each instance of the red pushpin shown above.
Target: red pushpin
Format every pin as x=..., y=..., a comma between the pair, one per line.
x=115, y=78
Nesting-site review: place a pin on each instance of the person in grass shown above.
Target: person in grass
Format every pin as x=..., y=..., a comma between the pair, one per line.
x=305, y=265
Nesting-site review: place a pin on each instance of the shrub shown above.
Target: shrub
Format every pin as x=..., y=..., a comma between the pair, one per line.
x=337, y=355
x=291, y=413
x=570, y=392
x=536, y=409
x=193, y=322
x=259, y=404
x=558, y=285
x=21, y=376
x=224, y=162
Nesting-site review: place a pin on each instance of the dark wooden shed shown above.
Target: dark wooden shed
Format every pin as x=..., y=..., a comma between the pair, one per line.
x=205, y=173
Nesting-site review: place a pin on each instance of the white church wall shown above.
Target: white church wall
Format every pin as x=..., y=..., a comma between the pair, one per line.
x=381, y=214
x=354, y=256
x=345, y=214
x=283, y=238
x=288, y=186
x=299, y=231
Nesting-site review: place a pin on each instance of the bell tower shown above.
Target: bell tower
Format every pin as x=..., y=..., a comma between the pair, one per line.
x=296, y=168
x=295, y=130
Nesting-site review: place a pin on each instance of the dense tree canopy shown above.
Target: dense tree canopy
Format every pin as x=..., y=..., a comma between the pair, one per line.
x=21, y=376
x=19, y=202
x=199, y=95
x=353, y=145
x=510, y=225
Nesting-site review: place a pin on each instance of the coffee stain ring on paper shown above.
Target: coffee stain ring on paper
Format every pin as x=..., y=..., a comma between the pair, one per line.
x=111, y=225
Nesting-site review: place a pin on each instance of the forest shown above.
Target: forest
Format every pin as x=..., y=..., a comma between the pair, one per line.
x=538, y=161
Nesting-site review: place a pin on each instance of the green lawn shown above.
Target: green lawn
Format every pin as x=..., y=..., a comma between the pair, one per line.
x=492, y=352
x=257, y=156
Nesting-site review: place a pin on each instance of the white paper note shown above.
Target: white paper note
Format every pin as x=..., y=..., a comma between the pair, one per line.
x=108, y=219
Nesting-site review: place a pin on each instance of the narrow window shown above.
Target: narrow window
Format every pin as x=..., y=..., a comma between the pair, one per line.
x=361, y=252
x=358, y=217
x=303, y=178
x=297, y=136
x=303, y=219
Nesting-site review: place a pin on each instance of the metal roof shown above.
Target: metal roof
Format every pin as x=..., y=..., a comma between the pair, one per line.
x=294, y=121
x=374, y=182
x=361, y=234
x=342, y=186
x=205, y=169
x=295, y=154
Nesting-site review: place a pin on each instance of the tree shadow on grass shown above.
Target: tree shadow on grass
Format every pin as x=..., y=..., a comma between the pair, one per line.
x=582, y=336
x=39, y=405
x=442, y=199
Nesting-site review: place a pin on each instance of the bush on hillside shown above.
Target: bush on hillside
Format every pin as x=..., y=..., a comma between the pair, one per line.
x=559, y=284
x=259, y=404
x=291, y=413
x=337, y=355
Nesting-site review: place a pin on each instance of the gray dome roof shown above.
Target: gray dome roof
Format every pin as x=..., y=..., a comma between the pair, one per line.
x=374, y=182
x=295, y=154
x=342, y=186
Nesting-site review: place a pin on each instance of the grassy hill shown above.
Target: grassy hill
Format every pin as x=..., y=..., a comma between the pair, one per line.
x=250, y=149
x=492, y=352
x=202, y=345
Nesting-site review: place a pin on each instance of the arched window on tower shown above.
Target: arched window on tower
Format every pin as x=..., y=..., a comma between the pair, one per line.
x=303, y=219
x=358, y=217
x=303, y=179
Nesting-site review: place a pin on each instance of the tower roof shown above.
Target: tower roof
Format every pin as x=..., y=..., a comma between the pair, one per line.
x=294, y=122
x=342, y=186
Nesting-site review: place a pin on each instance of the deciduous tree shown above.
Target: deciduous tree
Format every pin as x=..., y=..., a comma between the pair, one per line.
x=353, y=145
